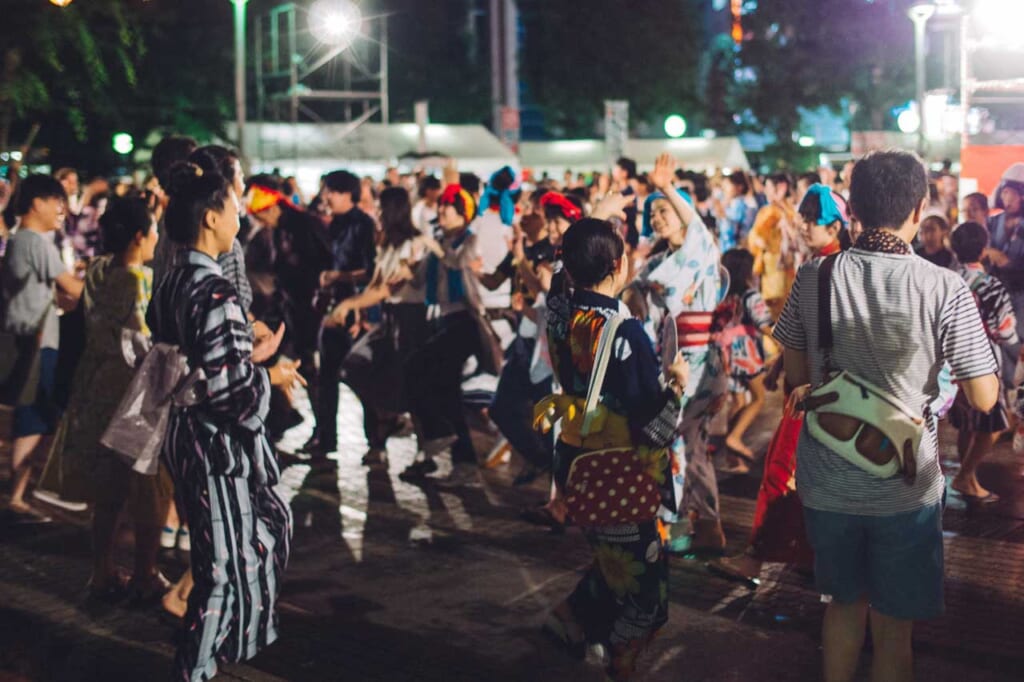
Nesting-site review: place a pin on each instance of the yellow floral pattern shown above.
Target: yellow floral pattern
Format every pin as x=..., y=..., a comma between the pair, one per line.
x=619, y=569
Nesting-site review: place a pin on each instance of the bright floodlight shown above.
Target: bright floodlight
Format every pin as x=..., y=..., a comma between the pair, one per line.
x=806, y=141
x=909, y=121
x=999, y=20
x=334, y=22
x=675, y=126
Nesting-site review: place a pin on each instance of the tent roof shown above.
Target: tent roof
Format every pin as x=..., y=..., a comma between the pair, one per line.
x=587, y=155
x=370, y=142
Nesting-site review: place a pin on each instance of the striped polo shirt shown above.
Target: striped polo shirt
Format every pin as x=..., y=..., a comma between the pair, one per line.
x=896, y=319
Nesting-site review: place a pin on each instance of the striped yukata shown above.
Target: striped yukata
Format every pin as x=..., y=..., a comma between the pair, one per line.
x=223, y=469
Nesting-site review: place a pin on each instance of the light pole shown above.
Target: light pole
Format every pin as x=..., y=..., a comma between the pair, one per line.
x=920, y=14
x=240, y=74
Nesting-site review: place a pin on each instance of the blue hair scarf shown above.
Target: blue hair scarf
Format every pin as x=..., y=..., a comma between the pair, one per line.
x=649, y=205
x=504, y=198
x=830, y=211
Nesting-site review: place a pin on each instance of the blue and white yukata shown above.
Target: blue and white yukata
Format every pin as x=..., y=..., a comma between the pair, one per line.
x=683, y=288
x=223, y=469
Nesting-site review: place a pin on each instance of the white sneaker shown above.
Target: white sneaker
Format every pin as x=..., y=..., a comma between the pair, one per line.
x=55, y=500
x=169, y=537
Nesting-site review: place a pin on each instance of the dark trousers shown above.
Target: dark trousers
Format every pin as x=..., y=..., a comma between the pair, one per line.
x=512, y=408
x=434, y=382
x=335, y=343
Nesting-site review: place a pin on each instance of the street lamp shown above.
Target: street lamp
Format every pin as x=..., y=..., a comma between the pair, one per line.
x=920, y=14
x=240, y=74
x=675, y=126
x=60, y=3
x=335, y=22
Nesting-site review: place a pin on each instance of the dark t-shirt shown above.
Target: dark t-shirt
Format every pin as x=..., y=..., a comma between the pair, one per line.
x=353, y=247
x=944, y=258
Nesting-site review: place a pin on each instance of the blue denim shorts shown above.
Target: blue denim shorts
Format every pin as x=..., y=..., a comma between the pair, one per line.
x=41, y=417
x=896, y=562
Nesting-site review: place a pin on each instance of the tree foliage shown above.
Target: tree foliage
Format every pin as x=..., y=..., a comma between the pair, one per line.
x=63, y=60
x=810, y=54
x=576, y=55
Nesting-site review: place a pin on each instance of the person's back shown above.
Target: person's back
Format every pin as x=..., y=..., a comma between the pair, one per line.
x=896, y=319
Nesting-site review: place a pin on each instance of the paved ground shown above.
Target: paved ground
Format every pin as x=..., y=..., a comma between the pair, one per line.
x=391, y=581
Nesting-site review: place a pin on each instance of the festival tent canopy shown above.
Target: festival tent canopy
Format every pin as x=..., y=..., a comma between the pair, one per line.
x=582, y=156
x=308, y=150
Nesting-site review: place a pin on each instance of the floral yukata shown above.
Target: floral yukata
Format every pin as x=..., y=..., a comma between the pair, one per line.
x=223, y=469
x=622, y=601
x=682, y=288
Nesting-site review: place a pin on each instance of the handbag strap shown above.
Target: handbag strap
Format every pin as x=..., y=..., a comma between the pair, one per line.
x=601, y=359
x=825, y=336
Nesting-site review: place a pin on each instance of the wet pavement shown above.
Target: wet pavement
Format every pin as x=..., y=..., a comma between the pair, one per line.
x=393, y=581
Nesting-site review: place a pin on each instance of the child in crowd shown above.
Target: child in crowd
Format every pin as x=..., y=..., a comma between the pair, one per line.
x=980, y=430
x=741, y=322
x=934, y=237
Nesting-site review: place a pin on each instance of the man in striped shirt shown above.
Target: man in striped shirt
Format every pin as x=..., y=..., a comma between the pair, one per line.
x=896, y=319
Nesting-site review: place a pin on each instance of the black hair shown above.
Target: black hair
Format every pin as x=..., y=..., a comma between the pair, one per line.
x=969, y=241
x=739, y=180
x=265, y=180
x=627, y=164
x=344, y=182
x=396, y=217
x=470, y=182
x=740, y=264
x=980, y=198
x=169, y=151
x=781, y=179
x=429, y=184
x=811, y=178
x=214, y=157
x=701, y=188
x=124, y=218
x=810, y=208
x=192, y=192
x=590, y=250
x=938, y=221
x=37, y=186
x=886, y=187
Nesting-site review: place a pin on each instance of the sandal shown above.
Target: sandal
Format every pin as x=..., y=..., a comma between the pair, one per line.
x=151, y=591
x=116, y=590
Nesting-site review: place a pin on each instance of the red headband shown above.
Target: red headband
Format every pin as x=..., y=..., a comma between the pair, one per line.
x=569, y=210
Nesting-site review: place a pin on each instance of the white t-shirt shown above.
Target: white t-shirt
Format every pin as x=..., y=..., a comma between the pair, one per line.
x=423, y=217
x=492, y=237
x=389, y=260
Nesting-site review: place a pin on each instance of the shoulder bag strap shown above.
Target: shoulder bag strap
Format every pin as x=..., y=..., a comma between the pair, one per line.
x=601, y=359
x=825, y=336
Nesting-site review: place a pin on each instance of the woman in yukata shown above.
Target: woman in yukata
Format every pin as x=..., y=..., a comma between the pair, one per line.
x=676, y=294
x=217, y=450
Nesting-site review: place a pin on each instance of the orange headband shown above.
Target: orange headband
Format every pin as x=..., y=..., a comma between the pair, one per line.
x=262, y=198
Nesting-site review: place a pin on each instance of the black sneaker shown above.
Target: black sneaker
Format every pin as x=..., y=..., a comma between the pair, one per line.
x=418, y=470
x=319, y=448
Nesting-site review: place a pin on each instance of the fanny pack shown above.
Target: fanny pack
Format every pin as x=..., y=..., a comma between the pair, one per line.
x=859, y=421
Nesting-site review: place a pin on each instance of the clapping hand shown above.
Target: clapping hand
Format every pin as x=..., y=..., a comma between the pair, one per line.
x=267, y=346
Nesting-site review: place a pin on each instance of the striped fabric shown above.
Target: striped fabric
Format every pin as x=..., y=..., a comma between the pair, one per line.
x=223, y=470
x=896, y=319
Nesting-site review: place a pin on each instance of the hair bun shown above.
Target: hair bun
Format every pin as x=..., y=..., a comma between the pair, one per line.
x=183, y=176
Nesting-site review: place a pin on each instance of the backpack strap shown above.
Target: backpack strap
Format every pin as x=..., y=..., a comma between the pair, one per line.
x=825, y=335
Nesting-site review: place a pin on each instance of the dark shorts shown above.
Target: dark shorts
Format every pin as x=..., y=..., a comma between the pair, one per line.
x=41, y=416
x=895, y=562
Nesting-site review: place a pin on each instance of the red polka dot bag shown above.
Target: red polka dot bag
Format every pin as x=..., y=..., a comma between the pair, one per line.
x=613, y=486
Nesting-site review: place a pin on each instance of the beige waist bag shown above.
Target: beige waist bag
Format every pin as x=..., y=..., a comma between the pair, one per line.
x=859, y=421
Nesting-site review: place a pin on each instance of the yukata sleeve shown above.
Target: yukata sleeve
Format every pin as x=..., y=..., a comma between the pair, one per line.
x=652, y=410
x=1004, y=320
x=790, y=330
x=962, y=336
x=237, y=391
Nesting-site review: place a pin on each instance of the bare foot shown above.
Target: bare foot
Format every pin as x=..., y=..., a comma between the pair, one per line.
x=739, y=447
x=174, y=604
x=969, y=488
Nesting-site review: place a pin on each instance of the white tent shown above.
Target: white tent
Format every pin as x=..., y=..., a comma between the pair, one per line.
x=582, y=156
x=308, y=150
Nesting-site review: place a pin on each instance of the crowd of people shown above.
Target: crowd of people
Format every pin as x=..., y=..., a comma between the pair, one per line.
x=632, y=325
